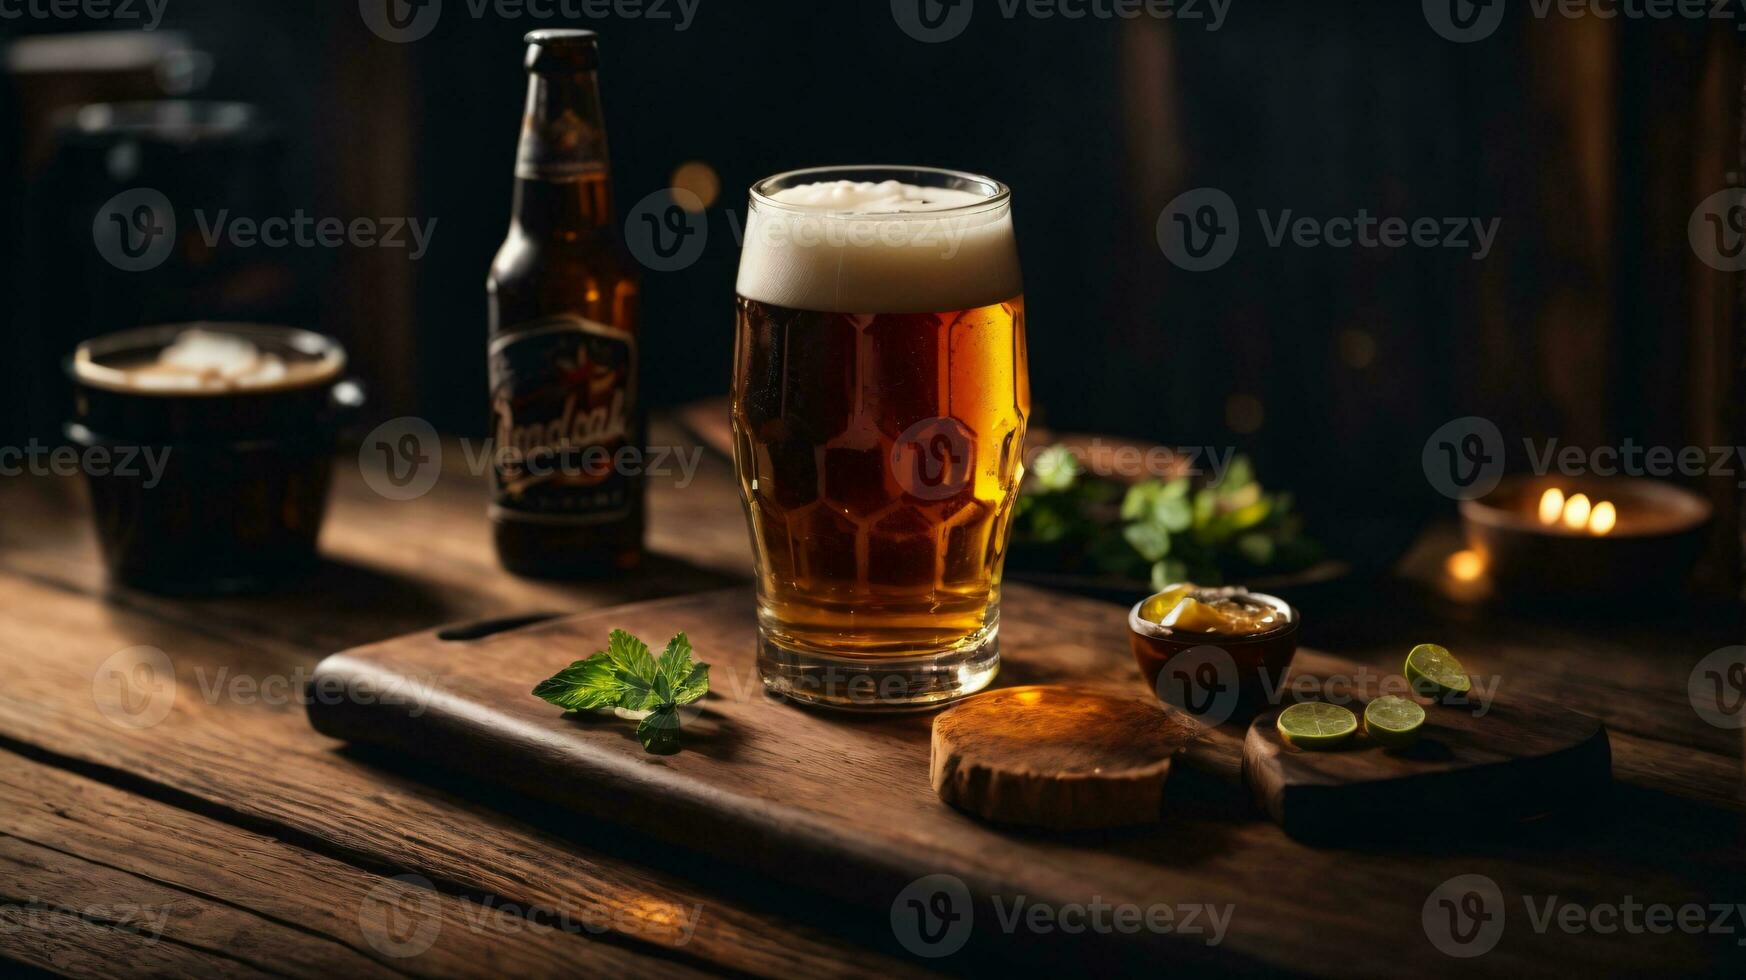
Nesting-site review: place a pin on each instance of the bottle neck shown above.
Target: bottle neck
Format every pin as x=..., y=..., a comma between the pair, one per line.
x=561, y=208
x=561, y=181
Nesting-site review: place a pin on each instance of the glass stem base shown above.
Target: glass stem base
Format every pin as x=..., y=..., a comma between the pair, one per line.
x=879, y=684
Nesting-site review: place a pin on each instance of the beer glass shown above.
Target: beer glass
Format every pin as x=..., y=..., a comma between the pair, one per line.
x=879, y=405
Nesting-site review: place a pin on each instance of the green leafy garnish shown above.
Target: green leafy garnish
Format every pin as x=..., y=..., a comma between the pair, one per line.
x=1055, y=468
x=1166, y=530
x=626, y=679
x=659, y=731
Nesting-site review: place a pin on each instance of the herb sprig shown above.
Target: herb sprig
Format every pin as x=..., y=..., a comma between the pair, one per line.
x=629, y=681
x=1167, y=531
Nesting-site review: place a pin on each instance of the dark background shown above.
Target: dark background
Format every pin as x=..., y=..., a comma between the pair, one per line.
x=1591, y=140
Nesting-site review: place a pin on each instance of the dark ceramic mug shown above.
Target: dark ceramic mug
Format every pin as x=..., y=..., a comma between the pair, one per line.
x=209, y=490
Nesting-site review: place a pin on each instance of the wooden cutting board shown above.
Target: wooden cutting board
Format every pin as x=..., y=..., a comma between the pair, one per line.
x=1495, y=759
x=841, y=803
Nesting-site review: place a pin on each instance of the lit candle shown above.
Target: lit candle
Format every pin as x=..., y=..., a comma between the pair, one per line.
x=1551, y=505
x=1465, y=566
x=1576, y=512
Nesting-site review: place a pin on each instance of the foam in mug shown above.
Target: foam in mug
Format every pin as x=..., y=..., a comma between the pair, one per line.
x=889, y=247
x=205, y=361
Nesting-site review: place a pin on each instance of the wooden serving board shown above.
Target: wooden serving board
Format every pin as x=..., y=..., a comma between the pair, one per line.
x=1492, y=759
x=837, y=802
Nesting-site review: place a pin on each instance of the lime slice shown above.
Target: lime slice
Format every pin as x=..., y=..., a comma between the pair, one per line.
x=1392, y=720
x=1434, y=672
x=1315, y=725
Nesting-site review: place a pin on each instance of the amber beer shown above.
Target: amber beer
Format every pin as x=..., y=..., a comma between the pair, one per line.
x=879, y=407
x=566, y=474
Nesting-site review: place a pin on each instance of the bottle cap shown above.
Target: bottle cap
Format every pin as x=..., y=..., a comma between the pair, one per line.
x=562, y=49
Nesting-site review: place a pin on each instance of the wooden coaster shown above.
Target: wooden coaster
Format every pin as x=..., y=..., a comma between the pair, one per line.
x=1056, y=757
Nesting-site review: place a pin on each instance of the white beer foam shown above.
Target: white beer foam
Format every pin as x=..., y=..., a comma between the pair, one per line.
x=888, y=247
x=201, y=361
x=206, y=360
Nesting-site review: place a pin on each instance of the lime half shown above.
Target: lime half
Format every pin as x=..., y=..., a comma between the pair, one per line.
x=1392, y=720
x=1434, y=672
x=1315, y=725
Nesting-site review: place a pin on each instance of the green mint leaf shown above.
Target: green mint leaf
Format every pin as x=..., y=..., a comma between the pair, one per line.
x=625, y=675
x=674, y=664
x=694, y=686
x=1206, y=503
x=1055, y=469
x=1150, y=540
x=677, y=679
x=1175, y=513
x=584, y=685
x=659, y=732
x=630, y=655
x=640, y=694
x=1241, y=474
x=1140, y=499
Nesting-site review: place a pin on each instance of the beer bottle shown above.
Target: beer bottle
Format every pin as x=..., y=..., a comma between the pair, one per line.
x=566, y=474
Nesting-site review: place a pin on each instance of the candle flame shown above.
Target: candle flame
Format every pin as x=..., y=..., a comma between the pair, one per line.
x=1577, y=513
x=1551, y=505
x=1465, y=566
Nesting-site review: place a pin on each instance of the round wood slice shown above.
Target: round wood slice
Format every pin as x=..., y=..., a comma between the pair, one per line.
x=1056, y=757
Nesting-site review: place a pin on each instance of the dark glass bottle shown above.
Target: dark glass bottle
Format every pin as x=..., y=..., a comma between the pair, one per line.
x=566, y=482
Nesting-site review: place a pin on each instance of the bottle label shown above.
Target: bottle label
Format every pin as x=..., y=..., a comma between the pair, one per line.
x=563, y=414
x=558, y=170
x=562, y=149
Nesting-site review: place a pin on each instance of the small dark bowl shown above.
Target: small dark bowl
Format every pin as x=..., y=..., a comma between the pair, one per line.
x=236, y=499
x=1654, y=545
x=1260, y=660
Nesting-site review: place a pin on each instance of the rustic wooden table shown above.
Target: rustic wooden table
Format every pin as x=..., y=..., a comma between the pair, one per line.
x=204, y=828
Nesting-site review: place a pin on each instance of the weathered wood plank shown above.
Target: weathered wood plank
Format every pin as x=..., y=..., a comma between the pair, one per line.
x=247, y=755
x=51, y=939
x=104, y=853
